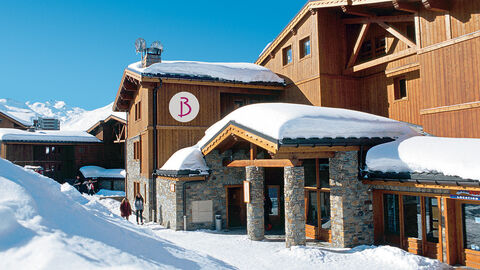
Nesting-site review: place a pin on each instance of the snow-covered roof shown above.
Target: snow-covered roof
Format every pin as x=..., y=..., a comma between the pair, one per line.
x=228, y=72
x=57, y=136
x=427, y=154
x=88, y=119
x=283, y=120
x=189, y=158
x=96, y=172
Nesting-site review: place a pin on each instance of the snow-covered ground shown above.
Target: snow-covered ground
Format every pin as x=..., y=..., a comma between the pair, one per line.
x=45, y=225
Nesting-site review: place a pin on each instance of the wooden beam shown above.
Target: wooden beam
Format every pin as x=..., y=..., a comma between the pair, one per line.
x=358, y=44
x=437, y=5
x=268, y=163
x=305, y=155
x=398, y=18
x=359, y=11
x=448, y=25
x=405, y=6
x=397, y=34
x=126, y=95
x=381, y=60
x=376, y=182
x=227, y=144
x=253, y=151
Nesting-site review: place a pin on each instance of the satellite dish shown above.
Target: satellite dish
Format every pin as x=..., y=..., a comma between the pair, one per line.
x=157, y=45
x=140, y=45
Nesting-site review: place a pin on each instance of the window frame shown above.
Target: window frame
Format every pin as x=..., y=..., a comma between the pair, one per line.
x=285, y=55
x=397, y=91
x=301, y=45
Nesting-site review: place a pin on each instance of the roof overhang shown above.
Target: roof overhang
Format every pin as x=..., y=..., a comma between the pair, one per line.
x=287, y=148
x=131, y=81
x=110, y=118
x=13, y=120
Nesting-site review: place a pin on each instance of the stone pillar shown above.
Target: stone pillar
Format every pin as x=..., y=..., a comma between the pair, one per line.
x=294, y=206
x=255, y=212
x=350, y=203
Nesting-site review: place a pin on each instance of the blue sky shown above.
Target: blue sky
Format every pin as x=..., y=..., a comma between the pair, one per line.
x=76, y=50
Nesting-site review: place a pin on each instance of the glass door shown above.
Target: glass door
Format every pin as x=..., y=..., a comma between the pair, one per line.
x=412, y=224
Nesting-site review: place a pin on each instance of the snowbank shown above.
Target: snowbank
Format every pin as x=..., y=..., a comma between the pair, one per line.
x=189, y=158
x=10, y=134
x=88, y=119
x=48, y=226
x=96, y=171
x=234, y=72
x=284, y=120
x=450, y=156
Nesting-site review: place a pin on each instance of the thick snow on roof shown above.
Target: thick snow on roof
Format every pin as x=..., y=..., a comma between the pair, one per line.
x=96, y=171
x=10, y=134
x=189, y=158
x=88, y=119
x=233, y=72
x=450, y=156
x=284, y=120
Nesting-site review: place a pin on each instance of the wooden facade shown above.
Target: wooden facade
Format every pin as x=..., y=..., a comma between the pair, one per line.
x=216, y=99
x=111, y=132
x=363, y=52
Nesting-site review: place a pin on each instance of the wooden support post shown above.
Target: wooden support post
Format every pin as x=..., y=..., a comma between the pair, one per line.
x=358, y=44
x=397, y=34
x=381, y=60
x=437, y=5
x=418, y=36
x=269, y=163
x=448, y=25
x=253, y=151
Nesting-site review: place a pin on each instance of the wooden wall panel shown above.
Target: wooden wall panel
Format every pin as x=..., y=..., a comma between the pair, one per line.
x=373, y=95
x=171, y=140
x=462, y=123
x=7, y=123
x=465, y=17
x=208, y=98
x=341, y=92
x=451, y=75
x=432, y=25
x=18, y=152
x=137, y=126
x=407, y=109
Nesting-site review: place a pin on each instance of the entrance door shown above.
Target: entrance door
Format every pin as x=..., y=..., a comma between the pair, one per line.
x=236, y=208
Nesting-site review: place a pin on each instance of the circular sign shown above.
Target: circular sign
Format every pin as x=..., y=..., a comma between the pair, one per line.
x=184, y=107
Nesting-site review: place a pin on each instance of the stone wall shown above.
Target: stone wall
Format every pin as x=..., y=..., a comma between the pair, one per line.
x=294, y=206
x=214, y=188
x=350, y=203
x=133, y=175
x=255, y=208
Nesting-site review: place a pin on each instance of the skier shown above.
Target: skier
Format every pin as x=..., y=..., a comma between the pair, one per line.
x=139, y=207
x=77, y=183
x=125, y=208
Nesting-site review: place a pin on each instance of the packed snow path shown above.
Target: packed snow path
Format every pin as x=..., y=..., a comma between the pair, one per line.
x=44, y=225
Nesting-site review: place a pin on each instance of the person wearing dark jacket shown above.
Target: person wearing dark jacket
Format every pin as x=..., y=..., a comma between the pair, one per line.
x=125, y=208
x=267, y=209
x=139, y=207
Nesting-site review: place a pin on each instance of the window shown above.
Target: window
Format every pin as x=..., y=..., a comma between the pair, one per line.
x=304, y=47
x=400, y=88
x=274, y=194
x=432, y=219
x=136, y=188
x=471, y=226
x=138, y=110
x=412, y=216
x=287, y=55
x=137, y=150
x=317, y=192
x=391, y=214
x=380, y=49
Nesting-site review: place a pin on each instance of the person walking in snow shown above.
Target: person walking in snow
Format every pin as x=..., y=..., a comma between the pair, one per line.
x=77, y=183
x=139, y=207
x=125, y=208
